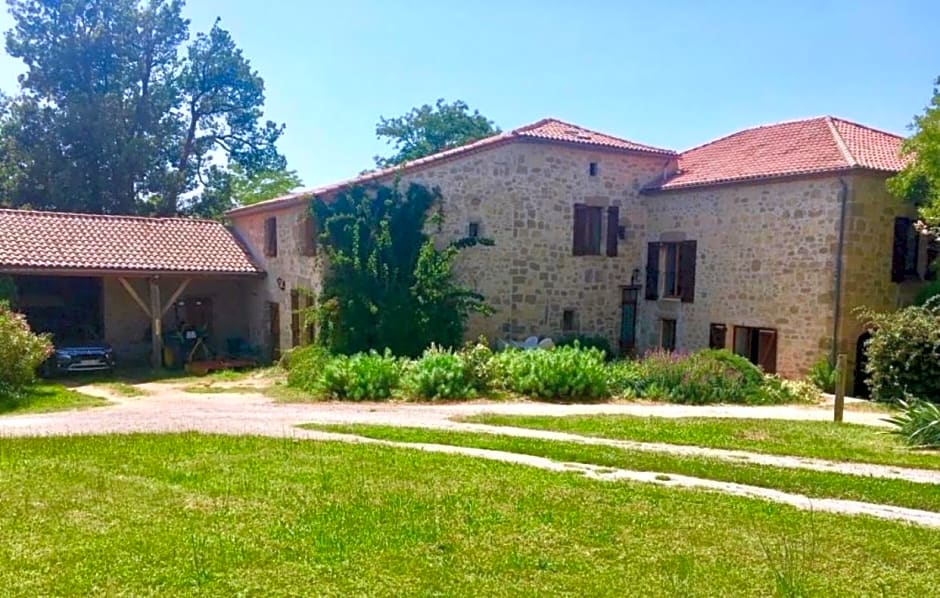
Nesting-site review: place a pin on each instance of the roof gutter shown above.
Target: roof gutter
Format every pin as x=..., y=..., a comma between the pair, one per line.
x=837, y=275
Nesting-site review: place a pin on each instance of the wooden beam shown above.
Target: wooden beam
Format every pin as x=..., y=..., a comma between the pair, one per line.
x=156, y=336
x=130, y=291
x=176, y=295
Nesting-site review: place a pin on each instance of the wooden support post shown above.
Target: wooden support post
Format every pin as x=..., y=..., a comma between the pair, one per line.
x=156, y=324
x=840, y=387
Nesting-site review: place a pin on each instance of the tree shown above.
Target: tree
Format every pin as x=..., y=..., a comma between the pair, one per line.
x=431, y=129
x=919, y=182
x=118, y=113
x=227, y=189
x=386, y=285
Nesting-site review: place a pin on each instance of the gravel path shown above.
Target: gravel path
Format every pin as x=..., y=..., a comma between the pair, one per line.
x=168, y=408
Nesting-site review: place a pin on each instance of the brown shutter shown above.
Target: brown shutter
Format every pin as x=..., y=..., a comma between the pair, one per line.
x=767, y=350
x=294, y=317
x=270, y=237
x=687, y=251
x=308, y=232
x=652, y=271
x=613, y=223
x=580, y=229
x=717, y=336
x=902, y=227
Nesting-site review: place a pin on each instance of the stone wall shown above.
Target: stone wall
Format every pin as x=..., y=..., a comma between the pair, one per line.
x=522, y=196
x=869, y=242
x=765, y=259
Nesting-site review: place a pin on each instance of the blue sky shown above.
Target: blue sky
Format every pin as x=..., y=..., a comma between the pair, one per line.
x=673, y=74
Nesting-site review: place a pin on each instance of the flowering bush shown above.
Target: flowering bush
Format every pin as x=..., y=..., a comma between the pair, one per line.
x=21, y=351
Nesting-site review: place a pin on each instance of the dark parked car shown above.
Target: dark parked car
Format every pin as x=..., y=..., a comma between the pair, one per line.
x=78, y=355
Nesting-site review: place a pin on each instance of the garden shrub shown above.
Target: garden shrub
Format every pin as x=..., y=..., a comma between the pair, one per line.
x=904, y=353
x=361, y=377
x=478, y=359
x=560, y=373
x=304, y=366
x=918, y=423
x=625, y=379
x=586, y=341
x=21, y=351
x=703, y=377
x=927, y=292
x=823, y=375
x=441, y=374
x=776, y=390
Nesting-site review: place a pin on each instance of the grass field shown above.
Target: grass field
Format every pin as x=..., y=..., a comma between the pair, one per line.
x=191, y=514
x=810, y=483
x=47, y=396
x=824, y=440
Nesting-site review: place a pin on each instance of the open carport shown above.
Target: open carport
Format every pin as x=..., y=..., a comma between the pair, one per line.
x=130, y=281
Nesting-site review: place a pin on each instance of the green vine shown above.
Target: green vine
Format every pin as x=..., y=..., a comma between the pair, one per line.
x=386, y=285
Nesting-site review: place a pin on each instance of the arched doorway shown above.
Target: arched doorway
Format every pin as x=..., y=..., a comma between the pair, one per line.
x=860, y=388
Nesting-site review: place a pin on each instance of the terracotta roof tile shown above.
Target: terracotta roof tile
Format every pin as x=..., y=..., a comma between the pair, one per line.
x=56, y=240
x=815, y=145
x=546, y=130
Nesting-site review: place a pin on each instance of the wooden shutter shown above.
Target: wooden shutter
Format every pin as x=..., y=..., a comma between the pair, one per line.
x=902, y=227
x=294, y=317
x=767, y=350
x=652, y=271
x=613, y=223
x=580, y=229
x=687, y=251
x=308, y=236
x=717, y=336
x=270, y=237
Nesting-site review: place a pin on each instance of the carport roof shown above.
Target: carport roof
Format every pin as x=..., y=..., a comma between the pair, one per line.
x=32, y=241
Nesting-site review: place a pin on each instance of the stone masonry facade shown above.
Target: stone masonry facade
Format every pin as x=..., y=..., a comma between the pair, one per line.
x=765, y=258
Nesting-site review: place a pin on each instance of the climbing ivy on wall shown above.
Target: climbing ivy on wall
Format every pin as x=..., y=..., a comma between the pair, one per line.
x=386, y=285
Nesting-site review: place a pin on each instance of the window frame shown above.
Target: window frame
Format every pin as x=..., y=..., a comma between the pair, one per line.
x=665, y=261
x=473, y=229
x=569, y=320
x=754, y=348
x=714, y=330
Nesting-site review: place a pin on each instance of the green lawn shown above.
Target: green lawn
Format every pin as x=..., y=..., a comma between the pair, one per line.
x=46, y=396
x=810, y=483
x=190, y=514
x=824, y=440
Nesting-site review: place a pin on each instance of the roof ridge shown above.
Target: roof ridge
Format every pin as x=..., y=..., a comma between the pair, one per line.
x=864, y=126
x=547, y=120
x=106, y=216
x=840, y=143
x=753, y=128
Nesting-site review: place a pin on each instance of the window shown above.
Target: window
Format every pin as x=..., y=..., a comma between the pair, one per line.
x=308, y=236
x=270, y=237
x=473, y=230
x=568, y=323
x=906, y=250
x=667, y=334
x=587, y=229
x=295, y=316
x=717, y=336
x=759, y=345
x=592, y=169
x=670, y=270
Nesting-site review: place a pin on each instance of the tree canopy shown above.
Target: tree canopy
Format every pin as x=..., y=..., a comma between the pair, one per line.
x=120, y=111
x=919, y=182
x=430, y=129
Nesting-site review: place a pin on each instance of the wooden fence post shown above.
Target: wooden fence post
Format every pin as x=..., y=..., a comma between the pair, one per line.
x=840, y=387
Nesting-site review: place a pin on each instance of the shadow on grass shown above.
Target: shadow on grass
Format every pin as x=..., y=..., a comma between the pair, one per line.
x=44, y=397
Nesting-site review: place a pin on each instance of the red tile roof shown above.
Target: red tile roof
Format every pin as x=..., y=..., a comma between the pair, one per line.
x=31, y=240
x=810, y=146
x=548, y=130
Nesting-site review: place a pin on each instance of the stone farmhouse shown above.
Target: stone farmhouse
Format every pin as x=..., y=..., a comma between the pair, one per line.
x=763, y=242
